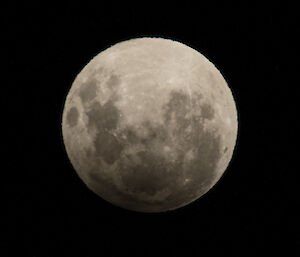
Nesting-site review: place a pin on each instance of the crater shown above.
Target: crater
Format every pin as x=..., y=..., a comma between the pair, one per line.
x=89, y=91
x=72, y=117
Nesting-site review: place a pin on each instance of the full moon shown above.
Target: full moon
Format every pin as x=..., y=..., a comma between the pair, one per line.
x=149, y=124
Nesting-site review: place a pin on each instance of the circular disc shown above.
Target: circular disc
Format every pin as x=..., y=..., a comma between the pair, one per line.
x=149, y=124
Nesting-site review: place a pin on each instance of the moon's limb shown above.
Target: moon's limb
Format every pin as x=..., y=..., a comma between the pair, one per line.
x=150, y=125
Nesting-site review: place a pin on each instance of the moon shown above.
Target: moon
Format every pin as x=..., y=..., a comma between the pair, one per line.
x=149, y=124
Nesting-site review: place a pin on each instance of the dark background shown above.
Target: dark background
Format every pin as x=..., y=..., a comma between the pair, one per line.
x=48, y=211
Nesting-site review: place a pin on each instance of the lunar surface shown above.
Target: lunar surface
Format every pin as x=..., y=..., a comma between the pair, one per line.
x=149, y=124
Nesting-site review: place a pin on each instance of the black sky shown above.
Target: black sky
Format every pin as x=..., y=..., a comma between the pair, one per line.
x=252, y=210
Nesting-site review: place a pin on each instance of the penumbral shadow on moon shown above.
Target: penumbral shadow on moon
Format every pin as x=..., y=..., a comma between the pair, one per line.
x=154, y=178
x=158, y=172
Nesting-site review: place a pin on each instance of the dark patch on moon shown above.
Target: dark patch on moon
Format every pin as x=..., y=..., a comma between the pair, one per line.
x=104, y=118
x=88, y=91
x=72, y=117
x=108, y=147
x=178, y=107
x=207, y=111
x=150, y=176
x=202, y=168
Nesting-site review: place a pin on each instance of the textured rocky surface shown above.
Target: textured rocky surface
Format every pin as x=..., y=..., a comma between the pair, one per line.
x=150, y=125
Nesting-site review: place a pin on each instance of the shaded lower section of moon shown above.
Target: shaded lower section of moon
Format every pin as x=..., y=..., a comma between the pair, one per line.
x=166, y=168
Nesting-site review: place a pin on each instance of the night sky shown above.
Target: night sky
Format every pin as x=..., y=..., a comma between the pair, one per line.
x=48, y=211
